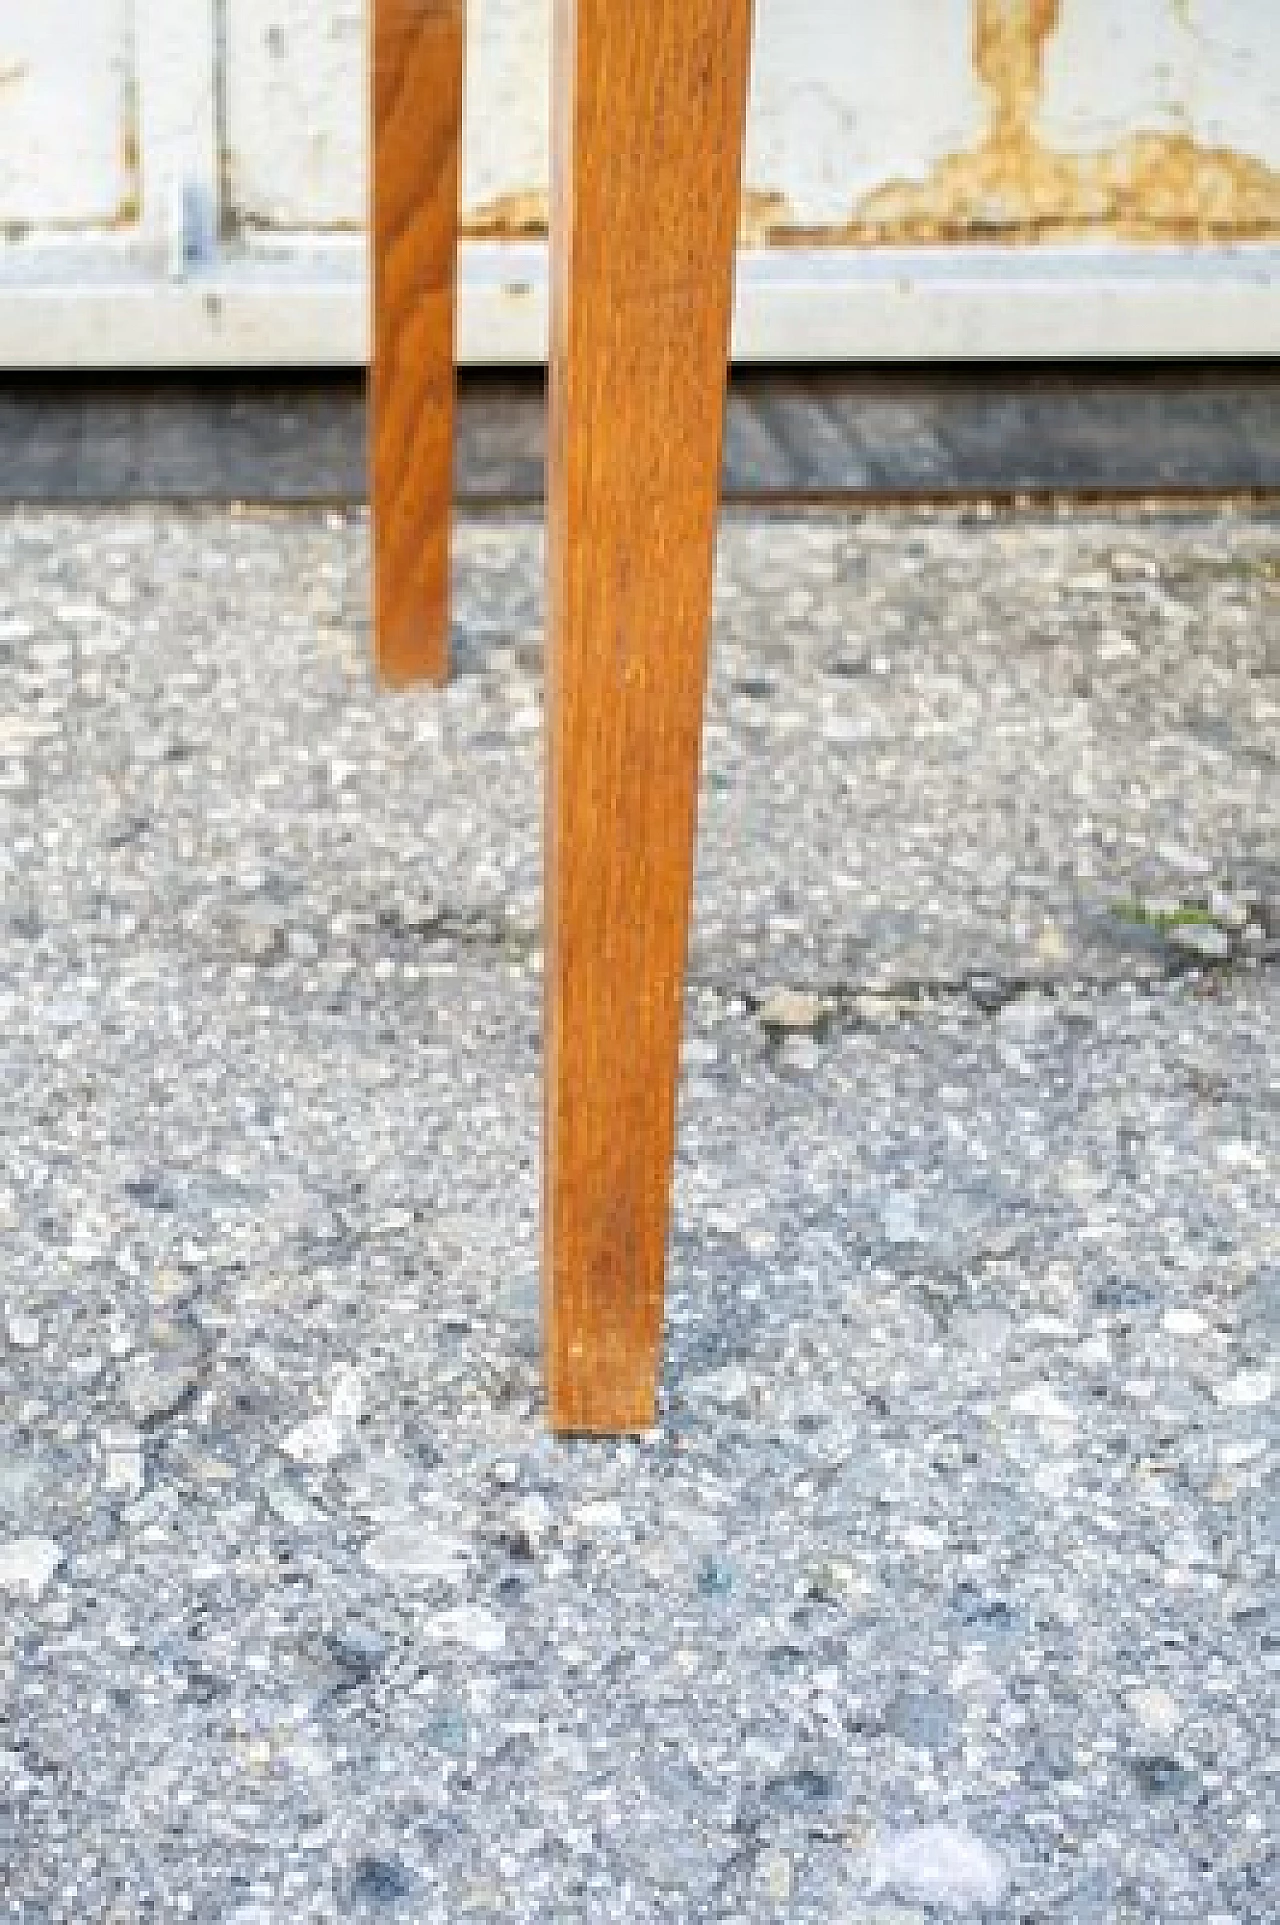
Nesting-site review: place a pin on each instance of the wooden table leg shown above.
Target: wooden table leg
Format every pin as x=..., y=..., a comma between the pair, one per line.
x=417, y=67
x=649, y=104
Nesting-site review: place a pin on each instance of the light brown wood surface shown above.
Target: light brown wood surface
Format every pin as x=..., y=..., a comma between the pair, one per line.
x=648, y=105
x=417, y=68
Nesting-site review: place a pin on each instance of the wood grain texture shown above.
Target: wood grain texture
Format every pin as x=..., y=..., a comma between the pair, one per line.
x=649, y=104
x=417, y=70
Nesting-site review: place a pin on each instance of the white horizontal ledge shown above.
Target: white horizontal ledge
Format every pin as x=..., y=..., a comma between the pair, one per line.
x=309, y=308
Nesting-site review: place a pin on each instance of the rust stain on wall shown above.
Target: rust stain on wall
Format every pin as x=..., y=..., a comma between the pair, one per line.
x=1009, y=38
x=129, y=207
x=765, y=217
x=1012, y=189
x=527, y=216
x=509, y=217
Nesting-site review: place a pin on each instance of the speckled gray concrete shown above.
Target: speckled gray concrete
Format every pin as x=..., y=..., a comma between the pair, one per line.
x=945, y=1586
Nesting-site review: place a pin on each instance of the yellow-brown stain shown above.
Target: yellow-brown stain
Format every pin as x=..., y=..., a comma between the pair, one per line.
x=524, y=216
x=508, y=217
x=129, y=207
x=1011, y=188
x=765, y=217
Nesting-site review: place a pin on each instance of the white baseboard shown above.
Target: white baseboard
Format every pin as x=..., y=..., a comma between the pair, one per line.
x=309, y=309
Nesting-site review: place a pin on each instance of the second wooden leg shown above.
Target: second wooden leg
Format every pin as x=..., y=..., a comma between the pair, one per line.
x=417, y=62
x=649, y=105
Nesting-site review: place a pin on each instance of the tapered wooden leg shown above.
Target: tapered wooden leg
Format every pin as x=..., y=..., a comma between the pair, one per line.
x=649, y=105
x=417, y=65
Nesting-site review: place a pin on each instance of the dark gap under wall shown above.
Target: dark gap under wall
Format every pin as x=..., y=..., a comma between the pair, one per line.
x=792, y=434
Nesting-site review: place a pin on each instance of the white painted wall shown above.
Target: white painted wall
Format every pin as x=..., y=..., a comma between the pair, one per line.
x=1206, y=68
x=294, y=94
x=845, y=98
x=221, y=144
x=295, y=123
x=847, y=95
x=66, y=68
